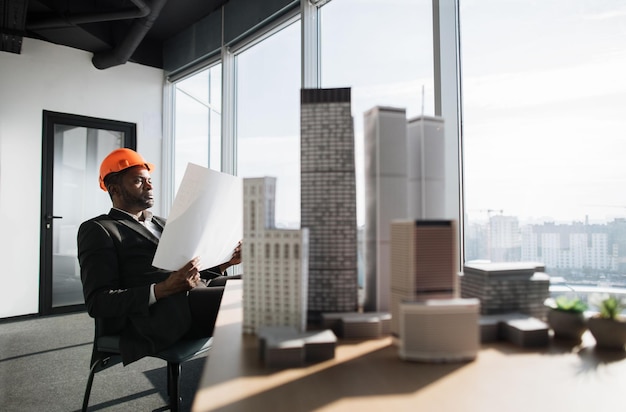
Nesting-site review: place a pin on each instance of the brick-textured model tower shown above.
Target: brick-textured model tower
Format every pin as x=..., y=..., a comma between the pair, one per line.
x=275, y=263
x=328, y=199
x=423, y=262
x=507, y=287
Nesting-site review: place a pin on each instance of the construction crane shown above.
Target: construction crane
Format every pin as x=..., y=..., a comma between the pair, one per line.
x=489, y=212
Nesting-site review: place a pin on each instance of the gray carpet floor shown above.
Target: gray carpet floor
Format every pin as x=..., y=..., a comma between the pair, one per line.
x=44, y=366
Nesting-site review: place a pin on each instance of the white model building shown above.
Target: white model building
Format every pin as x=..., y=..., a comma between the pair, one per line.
x=328, y=199
x=404, y=179
x=275, y=263
x=423, y=263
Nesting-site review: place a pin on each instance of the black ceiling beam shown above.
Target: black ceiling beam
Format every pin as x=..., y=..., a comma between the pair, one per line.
x=53, y=21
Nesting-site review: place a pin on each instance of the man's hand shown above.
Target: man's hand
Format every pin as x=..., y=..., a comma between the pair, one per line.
x=235, y=259
x=184, y=279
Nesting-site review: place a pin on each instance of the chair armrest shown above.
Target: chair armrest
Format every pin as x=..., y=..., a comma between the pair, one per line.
x=221, y=280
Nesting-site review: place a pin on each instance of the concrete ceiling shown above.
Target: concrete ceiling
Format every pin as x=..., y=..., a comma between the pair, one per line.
x=116, y=31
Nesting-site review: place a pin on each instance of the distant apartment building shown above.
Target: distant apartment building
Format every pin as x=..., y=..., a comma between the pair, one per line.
x=476, y=247
x=504, y=239
x=579, y=253
x=497, y=240
x=404, y=179
x=617, y=243
x=579, y=245
x=328, y=199
x=275, y=263
x=572, y=246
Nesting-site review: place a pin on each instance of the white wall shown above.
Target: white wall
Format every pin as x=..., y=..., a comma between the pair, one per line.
x=56, y=78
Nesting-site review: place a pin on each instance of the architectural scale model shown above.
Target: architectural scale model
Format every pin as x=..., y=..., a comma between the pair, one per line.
x=404, y=179
x=275, y=263
x=423, y=264
x=328, y=199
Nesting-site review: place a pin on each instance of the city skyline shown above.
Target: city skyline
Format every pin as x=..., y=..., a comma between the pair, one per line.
x=566, y=248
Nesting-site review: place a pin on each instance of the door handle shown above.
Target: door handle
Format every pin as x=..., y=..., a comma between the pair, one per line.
x=49, y=219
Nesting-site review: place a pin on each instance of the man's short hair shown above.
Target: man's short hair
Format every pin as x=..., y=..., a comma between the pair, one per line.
x=114, y=179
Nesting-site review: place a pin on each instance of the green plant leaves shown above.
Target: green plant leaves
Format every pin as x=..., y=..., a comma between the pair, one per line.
x=611, y=307
x=567, y=304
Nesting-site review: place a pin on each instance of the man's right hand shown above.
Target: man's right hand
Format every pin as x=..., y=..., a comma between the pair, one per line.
x=184, y=279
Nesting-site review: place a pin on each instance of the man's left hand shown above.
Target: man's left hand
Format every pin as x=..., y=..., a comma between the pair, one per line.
x=235, y=259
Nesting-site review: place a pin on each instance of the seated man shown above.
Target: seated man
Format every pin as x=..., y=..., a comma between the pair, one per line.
x=148, y=307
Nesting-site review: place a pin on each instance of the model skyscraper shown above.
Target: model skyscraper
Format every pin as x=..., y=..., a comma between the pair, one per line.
x=275, y=263
x=328, y=199
x=423, y=264
x=404, y=179
x=385, y=190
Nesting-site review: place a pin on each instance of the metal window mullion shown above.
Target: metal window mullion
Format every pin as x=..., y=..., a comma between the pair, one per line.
x=229, y=118
x=168, y=147
x=447, y=71
x=311, y=48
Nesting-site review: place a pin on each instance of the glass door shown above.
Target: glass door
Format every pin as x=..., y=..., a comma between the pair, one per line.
x=73, y=147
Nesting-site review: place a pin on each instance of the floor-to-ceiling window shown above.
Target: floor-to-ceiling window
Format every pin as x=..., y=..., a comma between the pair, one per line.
x=544, y=98
x=198, y=121
x=268, y=117
x=383, y=51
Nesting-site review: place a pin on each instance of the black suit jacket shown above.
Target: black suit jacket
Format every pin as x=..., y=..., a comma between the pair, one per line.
x=115, y=253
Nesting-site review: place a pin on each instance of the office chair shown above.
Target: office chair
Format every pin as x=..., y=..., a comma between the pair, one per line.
x=106, y=353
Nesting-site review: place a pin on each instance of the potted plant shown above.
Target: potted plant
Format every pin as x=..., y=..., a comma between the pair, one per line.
x=608, y=327
x=566, y=317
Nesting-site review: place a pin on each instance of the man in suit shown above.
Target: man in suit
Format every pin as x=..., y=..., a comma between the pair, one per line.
x=149, y=308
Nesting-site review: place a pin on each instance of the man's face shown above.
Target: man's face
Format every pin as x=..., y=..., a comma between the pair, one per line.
x=135, y=190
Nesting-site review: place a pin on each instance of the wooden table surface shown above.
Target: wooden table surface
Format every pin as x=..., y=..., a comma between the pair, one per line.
x=367, y=375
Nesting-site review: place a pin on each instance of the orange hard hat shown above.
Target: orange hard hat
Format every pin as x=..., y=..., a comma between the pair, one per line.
x=120, y=159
